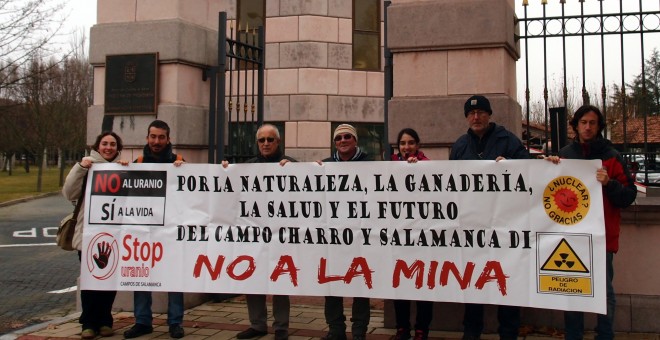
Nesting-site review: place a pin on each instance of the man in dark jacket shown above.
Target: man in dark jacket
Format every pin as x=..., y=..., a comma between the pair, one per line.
x=346, y=139
x=618, y=192
x=489, y=141
x=268, y=141
x=157, y=150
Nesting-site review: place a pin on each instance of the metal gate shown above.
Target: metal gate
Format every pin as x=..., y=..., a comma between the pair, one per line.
x=595, y=31
x=236, y=106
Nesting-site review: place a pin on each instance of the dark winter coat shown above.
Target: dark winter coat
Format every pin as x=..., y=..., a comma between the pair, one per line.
x=497, y=141
x=619, y=192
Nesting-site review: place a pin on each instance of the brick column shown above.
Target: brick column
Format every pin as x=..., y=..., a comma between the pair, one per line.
x=184, y=33
x=445, y=51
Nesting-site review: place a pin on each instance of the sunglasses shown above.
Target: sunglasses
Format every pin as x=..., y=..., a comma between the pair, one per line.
x=264, y=139
x=345, y=137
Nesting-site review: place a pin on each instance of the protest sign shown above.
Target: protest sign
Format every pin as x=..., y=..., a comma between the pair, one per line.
x=526, y=233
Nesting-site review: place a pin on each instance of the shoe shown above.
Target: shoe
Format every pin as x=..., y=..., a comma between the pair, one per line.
x=359, y=337
x=421, y=335
x=138, y=330
x=106, y=331
x=335, y=336
x=88, y=333
x=176, y=331
x=250, y=333
x=402, y=334
x=281, y=334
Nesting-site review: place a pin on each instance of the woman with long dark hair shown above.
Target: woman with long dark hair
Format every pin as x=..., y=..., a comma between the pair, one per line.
x=408, y=141
x=96, y=316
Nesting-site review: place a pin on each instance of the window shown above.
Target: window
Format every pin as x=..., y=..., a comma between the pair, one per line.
x=251, y=14
x=366, y=34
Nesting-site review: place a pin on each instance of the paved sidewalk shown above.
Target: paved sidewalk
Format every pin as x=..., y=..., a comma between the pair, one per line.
x=223, y=320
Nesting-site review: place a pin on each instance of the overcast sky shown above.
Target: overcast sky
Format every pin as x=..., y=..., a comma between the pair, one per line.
x=593, y=64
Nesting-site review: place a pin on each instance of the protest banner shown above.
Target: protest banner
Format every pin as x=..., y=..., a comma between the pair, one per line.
x=526, y=233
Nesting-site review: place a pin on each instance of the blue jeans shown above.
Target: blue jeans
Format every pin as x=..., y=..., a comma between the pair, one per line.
x=574, y=321
x=142, y=308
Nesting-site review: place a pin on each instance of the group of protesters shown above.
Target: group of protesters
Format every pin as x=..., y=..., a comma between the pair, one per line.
x=484, y=140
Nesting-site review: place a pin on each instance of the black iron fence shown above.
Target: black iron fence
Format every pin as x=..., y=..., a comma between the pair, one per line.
x=603, y=53
x=236, y=107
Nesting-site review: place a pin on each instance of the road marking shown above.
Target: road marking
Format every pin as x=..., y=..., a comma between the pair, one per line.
x=27, y=245
x=65, y=290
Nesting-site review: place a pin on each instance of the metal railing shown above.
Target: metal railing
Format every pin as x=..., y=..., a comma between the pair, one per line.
x=597, y=30
x=236, y=107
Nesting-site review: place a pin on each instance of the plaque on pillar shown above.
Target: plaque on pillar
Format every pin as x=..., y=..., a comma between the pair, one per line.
x=131, y=84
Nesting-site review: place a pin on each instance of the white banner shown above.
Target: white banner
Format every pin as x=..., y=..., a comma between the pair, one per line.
x=525, y=233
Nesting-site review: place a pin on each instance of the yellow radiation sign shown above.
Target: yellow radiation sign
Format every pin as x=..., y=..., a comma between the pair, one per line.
x=564, y=259
x=566, y=200
x=563, y=272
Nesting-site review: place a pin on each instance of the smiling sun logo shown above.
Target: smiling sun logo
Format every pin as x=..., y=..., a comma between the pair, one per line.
x=566, y=200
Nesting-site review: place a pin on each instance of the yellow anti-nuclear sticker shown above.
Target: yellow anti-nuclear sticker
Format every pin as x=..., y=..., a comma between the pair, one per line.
x=566, y=200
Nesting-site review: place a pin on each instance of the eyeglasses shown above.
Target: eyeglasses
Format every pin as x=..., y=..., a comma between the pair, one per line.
x=477, y=113
x=344, y=136
x=264, y=139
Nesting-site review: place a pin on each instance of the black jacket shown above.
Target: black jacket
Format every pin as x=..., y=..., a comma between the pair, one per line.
x=165, y=156
x=497, y=141
x=359, y=156
x=275, y=158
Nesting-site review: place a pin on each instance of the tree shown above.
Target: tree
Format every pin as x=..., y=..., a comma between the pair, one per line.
x=642, y=95
x=26, y=27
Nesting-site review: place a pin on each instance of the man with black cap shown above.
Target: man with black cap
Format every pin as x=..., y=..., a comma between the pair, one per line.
x=488, y=141
x=484, y=139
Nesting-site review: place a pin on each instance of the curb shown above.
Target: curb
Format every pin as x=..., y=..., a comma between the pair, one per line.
x=25, y=199
x=34, y=328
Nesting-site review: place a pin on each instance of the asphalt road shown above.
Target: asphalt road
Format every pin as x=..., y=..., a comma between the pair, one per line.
x=37, y=278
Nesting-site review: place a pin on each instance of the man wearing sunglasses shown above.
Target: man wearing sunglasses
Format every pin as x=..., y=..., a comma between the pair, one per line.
x=346, y=140
x=268, y=141
x=488, y=141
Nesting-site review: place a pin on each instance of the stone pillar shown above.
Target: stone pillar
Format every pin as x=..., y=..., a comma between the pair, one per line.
x=184, y=34
x=444, y=52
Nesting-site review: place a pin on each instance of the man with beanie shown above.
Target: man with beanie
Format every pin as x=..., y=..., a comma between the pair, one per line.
x=488, y=141
x=346, y=139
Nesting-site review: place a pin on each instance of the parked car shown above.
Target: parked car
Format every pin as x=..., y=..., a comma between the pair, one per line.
x=653, y=177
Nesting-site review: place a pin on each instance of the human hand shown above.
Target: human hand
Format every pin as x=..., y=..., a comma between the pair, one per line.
x=499, y=158
x=86, y=162
x=101, y=259
x=553, y=159
x=412, y=159
x=319, y=162
x=178, y=163
x=284, y=161
x=602, y=176
x=123, y=162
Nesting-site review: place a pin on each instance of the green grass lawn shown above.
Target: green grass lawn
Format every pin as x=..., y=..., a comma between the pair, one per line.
x=21, y=184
